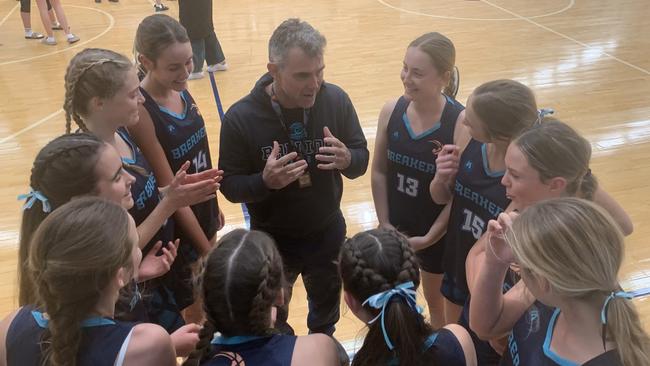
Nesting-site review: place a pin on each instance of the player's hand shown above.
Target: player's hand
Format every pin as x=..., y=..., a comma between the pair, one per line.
x=280, y=172
x=185, y=339
x=153, y=265
x=498, y=250
x=420, y=242
x=447, y=163
x=222, y=220
x=334, y=155
x=190, y=189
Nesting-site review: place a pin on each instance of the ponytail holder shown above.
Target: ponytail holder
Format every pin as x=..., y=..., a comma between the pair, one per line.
x=382, y=299
x=541, y=113
x=588, y=173
x=612, y=296
x=31, y=198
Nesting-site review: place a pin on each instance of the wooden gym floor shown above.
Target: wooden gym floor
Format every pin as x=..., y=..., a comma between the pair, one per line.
x=587, y=59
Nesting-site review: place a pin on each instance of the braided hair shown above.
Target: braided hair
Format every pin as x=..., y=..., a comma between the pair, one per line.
x=85, y=242
x=63, y=169
x=375, y=261
x=241, y=282
x=93, y=72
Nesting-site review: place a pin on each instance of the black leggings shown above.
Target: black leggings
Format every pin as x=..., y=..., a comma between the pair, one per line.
x=25, y=5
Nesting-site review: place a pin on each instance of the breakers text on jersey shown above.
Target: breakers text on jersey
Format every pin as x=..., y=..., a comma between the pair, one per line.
x=478, y=199
x=149, y=188
x=411, y=162
x=186, y=146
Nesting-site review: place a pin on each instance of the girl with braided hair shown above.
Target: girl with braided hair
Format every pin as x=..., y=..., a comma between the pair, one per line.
x=569, y=307
x=380, y=277
x=241, y=287
x=77, y=165
x=103, y=97
x=74, y=325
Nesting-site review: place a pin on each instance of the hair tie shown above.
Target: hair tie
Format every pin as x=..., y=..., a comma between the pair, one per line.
x=381, y=300
x=31, y=198
x=618, y=294
x=543, y=112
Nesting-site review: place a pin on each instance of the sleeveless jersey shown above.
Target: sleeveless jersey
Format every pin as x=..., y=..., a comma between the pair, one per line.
x=159, y=303
x=446, y=349
x=485, y=354
x=183, y=138
x=478, y=198
x=145, y=192
x=443, y=348
x=412, y=166
x=530, y=342
x=101, y=344
x=275, y=350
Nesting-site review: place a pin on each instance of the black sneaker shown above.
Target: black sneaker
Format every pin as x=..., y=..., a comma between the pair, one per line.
x=160, y=7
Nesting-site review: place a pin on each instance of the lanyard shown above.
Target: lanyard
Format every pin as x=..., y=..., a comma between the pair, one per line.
x=298, y=146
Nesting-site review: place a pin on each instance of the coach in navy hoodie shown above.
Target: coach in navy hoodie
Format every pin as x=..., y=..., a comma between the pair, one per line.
x=283, y=149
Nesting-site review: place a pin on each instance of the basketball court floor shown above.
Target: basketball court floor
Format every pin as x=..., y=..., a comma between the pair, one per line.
x=587, y=59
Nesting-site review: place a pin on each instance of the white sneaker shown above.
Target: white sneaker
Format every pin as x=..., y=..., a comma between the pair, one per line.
x=72, y=38
x=222, y=66
x=50, y=41
x=195, y=75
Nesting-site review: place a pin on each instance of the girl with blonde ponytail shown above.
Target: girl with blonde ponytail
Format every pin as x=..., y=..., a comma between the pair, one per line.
x=568, y=252
x=78, y=263
x=547, y=161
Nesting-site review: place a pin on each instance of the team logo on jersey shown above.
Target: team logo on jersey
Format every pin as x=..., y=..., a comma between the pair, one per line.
x=171, y=128
x=195, y=108
x=437, y=146
x=234, y=358
x=395, y=136
x=297, y=131
x=468, y=166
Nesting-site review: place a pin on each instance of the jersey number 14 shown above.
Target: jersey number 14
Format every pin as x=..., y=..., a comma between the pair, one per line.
x=200, y=161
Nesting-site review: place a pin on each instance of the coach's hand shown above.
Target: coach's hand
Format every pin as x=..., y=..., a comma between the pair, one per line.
x=337, y=154
x=280, y=172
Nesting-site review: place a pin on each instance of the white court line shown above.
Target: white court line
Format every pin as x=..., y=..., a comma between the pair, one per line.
x=9, y=14
x=75, y=45
x=566, y=37
x=567, y=7
x=30, y=127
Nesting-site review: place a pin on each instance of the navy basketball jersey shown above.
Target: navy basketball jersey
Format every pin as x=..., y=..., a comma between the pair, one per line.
x=478, y=198
x=159, y=305
x=144, y=191
x=445, y=348
x=412, y=165
x=486, y=355
x=529, y=343
x=275, y=350
x=183, y=138
x=103, y=340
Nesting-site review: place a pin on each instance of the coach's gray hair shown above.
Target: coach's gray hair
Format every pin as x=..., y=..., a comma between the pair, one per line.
x=295, y=33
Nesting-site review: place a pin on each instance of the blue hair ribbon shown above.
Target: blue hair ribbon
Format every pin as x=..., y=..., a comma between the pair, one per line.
x=31, y=198
x=382, y=299
x=541, y=113
x=629, y=295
